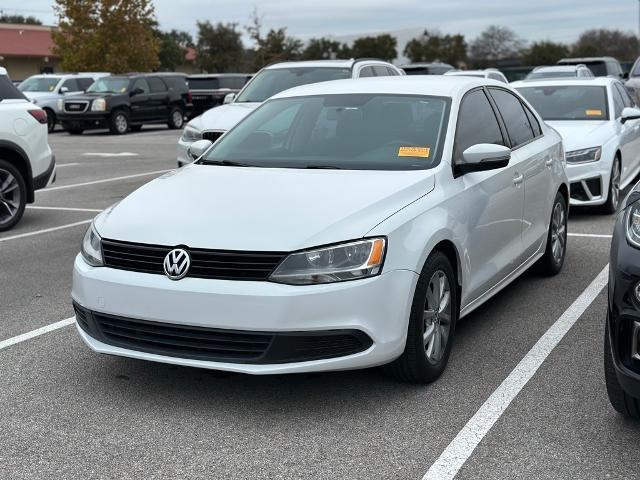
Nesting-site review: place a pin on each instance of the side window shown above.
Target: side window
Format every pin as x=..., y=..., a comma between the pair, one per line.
x=380, y=71
x=85, y=82
x=142, y=84
x=72, y=85
x=495, y=76
x=367, y=72
x=535, y=125
x=618, y=104
x=392, y=72
x=626, y=99
x=514, y=116
x=477, y=123
x=157, y=85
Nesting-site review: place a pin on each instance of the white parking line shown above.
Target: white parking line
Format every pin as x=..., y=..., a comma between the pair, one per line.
x=37, y=332
x=61, y=165
x=65, y=209
x=46, y=230
x=106, y=155
x=589, y=235
x=460, y=449
x=94, y=182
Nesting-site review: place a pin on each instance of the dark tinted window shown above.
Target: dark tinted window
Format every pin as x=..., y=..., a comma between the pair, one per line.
x=204, y=83
x=157, y=85
x=535, y=125
x=142, y=84
x=618, y=103
x=381, y=71
x=367, y=72
x=477, y=123
x=626, y=99
x=233, y=83
x=84, y=83
x=71, y=84
x=8, y=91
x=176, y=82
x=599, y=69
x=514, y=116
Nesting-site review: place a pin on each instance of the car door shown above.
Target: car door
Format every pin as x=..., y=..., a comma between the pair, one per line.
x=158, y=99
x=70, y=87
x=493, y=199
x=627, y=133
x=631, y=129
x=140, y=107
x=534, y=159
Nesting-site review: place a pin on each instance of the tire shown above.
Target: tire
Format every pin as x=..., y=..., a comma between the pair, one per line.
x=621, y=402
x=51, y=120
x=13, y=195
x=75, y=131
x=613, y=195
x=136, y=128
x=119, y=122
x=556, y=250
x=176, y=118
x=416, y=365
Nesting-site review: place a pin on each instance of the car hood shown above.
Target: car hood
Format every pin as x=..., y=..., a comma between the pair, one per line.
x=577, y=134
x=40, y=95
x=261, y=209
x=223, y=117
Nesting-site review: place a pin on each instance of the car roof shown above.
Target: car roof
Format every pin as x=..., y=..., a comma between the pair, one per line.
x=434, y=85
x=559, y=68
x=313, y=64
x=467, y=72
x=215, y=75
x=541, y=82
x=425, y=64
x=587, y=59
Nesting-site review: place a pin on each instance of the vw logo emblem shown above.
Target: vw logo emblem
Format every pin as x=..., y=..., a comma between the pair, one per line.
x=177, y=263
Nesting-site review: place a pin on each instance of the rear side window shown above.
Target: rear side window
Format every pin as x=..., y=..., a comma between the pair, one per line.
x=477, y=123
x=392, y=72
x=8, y=91
x=618, y=103
x=535, y=125
x=626, y=99
x=157, y=85
x=367, y=72
x=514, y=116
x=381, y=71
x=142, y=84
x=84, y=83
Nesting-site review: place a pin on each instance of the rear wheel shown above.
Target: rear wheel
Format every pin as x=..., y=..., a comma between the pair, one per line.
x=432, y=323
x=623, y=403
x=555, y=252
x=176, y=118
x=13, y=195
x=613, y=196
x=119, y=122
x=51, y=120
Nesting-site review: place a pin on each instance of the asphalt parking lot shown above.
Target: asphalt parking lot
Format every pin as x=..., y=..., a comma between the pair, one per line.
x=70, y=413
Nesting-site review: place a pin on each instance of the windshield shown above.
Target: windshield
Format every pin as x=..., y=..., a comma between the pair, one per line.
x=599, y=68
x=110, y=85
x=39, y=84
x=269, y=82
x=552, y=74
x=571, y=102
x=348, y=131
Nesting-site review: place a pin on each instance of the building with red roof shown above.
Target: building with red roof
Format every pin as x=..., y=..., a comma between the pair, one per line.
x=27, y=50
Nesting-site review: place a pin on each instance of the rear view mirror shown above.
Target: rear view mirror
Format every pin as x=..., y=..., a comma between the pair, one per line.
x=630, y=113
x=229, y=98
x=482, y=157
x=196, y=149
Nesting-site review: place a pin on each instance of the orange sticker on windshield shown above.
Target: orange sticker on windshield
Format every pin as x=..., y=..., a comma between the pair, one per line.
x=422, y=152
x=593, y=113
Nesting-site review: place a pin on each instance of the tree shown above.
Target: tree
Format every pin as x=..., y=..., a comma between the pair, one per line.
x=321, y=48
x=599, y=42
x=433, y=45
x=219, y=47
x=381, y=46
x=496, y=43
x=19, y=19
x=171, y=53
x=106, y=35
x=545, y=53
x=276, y=46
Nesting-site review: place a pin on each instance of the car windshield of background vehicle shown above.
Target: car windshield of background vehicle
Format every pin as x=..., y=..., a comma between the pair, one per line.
x=110, y=85
x=203, y=83
x=347, y=131
x=599, y=69
x=39, y=84
x=568, y=102
x=568, y=74
x=269, y=82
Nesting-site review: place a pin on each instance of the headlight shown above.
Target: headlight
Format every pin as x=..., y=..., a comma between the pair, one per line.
x=633, y=225
x=337, y=263
x=191, y=134
x=99, y=105
x=584, y=156
x=91, y=248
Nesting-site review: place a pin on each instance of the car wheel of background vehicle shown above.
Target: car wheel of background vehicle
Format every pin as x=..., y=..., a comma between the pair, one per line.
x=136, y=128
x=432, y=323
x=119, y=122
x=75, y=131
x=623, y=403
x=613, y=196
x=51, y=120
x=13, y=195
x=556, y=249
x=176, y=118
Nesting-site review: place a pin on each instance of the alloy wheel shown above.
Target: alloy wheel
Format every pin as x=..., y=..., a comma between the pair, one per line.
x=558, y=232
x=437, y=317
x=177, y=119
x=9, y=196
x=121, y=123
x=615, y=184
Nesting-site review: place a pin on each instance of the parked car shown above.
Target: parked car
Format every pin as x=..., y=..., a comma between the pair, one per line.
x=600, y=129
x=560, y=71
x=267, y=82
x=430, y=68
x=633, y=83
x=26, y=161
x=599, y=66
x=127, y=102
x=492, y=73
x=48, y=90
x=359, y=220
x=209, y=89
x=622, y=331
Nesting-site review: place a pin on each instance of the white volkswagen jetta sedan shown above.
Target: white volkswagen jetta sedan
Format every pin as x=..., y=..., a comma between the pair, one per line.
x=352, y=226
x=600, y=128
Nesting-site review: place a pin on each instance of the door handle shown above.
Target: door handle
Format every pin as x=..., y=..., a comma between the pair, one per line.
x=518, y=178
x=549, y=161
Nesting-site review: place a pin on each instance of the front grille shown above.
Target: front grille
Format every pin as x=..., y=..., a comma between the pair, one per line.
x=76, y=106
x=220, y=345
x=210, y=264
x=211, y=136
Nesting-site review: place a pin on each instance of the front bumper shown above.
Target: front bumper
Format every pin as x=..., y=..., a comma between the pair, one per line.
x=378, y=307
x=589, y=183
x=624, y=309
x=84, y=121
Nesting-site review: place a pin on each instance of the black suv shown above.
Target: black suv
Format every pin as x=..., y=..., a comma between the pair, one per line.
x=600, y=66
x=126, y=102
x=209, y=89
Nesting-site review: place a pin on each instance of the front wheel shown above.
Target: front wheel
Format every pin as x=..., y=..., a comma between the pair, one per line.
x=623, y=403
x=119, y=122
x=176, y=118
x=432, y=323
x=13, y=195
x=556, y=250
x=613, y=196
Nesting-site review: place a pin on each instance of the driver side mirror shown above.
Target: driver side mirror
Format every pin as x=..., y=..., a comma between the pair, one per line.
x=196, y=149
x=64, y=90
x=482, y=157
x=136, y=91
x=630, y=113
x=229, y=98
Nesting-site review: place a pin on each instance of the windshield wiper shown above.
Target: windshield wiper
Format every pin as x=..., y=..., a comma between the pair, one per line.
x=226, y=163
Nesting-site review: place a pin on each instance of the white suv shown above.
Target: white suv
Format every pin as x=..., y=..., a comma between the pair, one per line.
x=266, y=83
x=26, y=161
